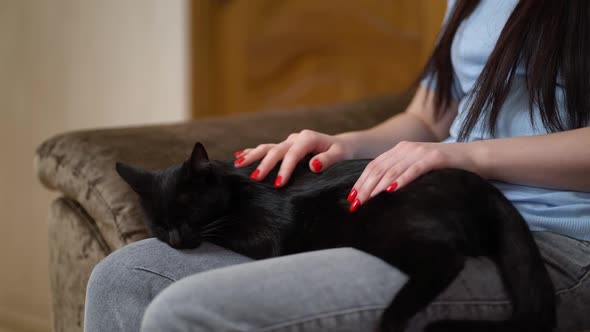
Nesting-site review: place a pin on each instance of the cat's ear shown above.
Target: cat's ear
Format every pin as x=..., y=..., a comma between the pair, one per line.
x=199, y=161
x=139, y=180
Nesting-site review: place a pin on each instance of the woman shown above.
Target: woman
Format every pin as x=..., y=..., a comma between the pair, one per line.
x=506, y=94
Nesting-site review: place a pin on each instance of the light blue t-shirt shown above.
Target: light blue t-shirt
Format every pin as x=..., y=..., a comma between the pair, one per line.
x=559, y=211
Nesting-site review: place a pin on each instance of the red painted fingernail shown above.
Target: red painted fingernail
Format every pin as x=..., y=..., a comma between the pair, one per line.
x=254, y=174
x=352, y=195
x=237, y=153
x=355, y=205
x=317, y=165
x=278, y=181
x=239, y=161
x=391, y=187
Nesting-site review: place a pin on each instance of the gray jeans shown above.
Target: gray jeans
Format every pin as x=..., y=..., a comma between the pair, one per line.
x=150, y=286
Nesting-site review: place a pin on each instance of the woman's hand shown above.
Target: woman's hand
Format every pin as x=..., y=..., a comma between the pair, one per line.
x=327, y=149
x=404, y=163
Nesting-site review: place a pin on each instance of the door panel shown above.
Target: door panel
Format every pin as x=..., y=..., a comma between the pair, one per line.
x=262, y=54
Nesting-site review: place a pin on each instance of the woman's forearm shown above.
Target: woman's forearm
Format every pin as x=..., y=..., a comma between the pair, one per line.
x=417, y=123
x=372, y=142
x=559, y=161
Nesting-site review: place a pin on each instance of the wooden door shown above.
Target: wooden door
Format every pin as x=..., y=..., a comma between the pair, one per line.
x=253, y=55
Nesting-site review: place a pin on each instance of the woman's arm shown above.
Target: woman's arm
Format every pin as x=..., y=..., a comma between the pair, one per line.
x=559, y=161
x=418, y=123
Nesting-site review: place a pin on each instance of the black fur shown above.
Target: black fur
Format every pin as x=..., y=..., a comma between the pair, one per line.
x=426, y=229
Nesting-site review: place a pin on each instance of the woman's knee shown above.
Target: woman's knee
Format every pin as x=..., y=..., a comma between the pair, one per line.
x=187, y=307
x=112, y=274
x=125, y=282
x=117, y=291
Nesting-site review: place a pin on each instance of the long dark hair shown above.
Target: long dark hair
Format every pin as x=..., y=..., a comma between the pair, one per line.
x=551, y=39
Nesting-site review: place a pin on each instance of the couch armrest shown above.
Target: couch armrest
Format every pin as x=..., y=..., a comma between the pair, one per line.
x=81, y=164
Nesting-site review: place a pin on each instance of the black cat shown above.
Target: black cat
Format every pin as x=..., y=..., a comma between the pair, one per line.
x=425, y=229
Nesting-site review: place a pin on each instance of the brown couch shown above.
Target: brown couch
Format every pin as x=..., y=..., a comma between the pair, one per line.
x=97, y=213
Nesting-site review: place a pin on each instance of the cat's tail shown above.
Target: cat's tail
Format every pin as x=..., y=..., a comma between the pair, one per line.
x=524, y=275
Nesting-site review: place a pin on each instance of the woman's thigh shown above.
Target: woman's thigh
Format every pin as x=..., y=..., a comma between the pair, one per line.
x=124, y=283
x=329, y=290
x=347, y=290
x=478, y=292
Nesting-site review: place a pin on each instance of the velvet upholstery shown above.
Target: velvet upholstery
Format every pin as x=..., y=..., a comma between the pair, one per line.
x=98, y=213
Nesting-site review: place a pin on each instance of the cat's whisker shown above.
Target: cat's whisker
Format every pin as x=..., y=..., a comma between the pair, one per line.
x=214, y=231
x=210, y=229
x=217, y=222
x=217, y=230
x=215, y=225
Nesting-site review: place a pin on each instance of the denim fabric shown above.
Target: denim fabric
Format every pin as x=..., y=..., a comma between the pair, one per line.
x=124, y=283
x=330, y=290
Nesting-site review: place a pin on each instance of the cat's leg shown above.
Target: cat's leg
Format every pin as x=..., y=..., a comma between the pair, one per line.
x=431, y=274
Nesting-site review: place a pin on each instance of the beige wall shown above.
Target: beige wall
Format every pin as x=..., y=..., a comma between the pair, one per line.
x=70, y=64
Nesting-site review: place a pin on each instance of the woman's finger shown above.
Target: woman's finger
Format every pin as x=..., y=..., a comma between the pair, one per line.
x=242, y=153
x=306, y=142
x=366, y=187
x=255, y=154
x=323, y=160
x=270, y=160
x=388, y=182
x=353, y=197
x=411, y=173
x=374, y=182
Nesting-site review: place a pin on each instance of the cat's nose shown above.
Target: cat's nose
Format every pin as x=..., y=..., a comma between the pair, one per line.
x=174, y=238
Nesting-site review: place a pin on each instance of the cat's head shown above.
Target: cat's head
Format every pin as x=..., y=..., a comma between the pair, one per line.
x=178, y=201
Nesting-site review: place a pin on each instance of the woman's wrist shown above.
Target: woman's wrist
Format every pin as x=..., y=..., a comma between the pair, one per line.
x=471, y=156
x=352, y=143
x=477, y=153
x=365, y=144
